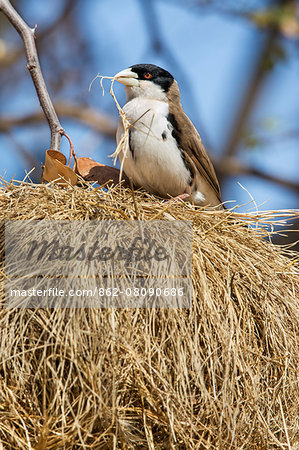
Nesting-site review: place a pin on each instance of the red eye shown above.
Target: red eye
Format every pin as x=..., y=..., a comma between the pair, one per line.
x=147, y=75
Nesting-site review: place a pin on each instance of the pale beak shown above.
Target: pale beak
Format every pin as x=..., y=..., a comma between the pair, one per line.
x=127, y=77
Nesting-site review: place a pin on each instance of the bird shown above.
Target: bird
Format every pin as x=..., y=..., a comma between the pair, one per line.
x=165, y=153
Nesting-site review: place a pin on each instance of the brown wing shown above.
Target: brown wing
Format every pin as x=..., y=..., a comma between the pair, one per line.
x=190, y=142
x=195, y=154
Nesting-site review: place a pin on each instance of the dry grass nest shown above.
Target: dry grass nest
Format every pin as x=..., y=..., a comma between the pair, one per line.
x=221, y=374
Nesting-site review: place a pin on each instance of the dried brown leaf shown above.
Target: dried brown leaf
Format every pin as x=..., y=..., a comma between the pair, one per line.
x=91, y=170
x=55, y=169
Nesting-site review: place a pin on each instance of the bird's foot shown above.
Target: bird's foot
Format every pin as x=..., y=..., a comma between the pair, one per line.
x=177, y=198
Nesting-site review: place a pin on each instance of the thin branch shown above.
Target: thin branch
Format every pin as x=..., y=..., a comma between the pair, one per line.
x=27, y=34
x=72, y=151
x=233, y=167
x=278, y=138
x=101, y=122
x=258, y=77
x=250, y=96
x=67, y=9
x=90, y=116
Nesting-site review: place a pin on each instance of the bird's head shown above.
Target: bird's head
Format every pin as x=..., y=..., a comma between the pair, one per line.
x=146, y=80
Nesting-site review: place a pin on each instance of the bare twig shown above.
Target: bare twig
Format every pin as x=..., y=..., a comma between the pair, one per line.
x=100, y=121
x=27, y=34
x=72, y=151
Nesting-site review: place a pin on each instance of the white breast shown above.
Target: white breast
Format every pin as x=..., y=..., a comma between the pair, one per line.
x=156, y=162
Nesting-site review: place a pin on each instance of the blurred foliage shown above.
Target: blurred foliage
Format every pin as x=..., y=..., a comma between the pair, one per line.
x=270, y=124
x=283, y=17
x=250, y=140
x=276, y=55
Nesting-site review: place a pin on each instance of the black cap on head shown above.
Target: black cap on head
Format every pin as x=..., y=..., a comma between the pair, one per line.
x=155, y=74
